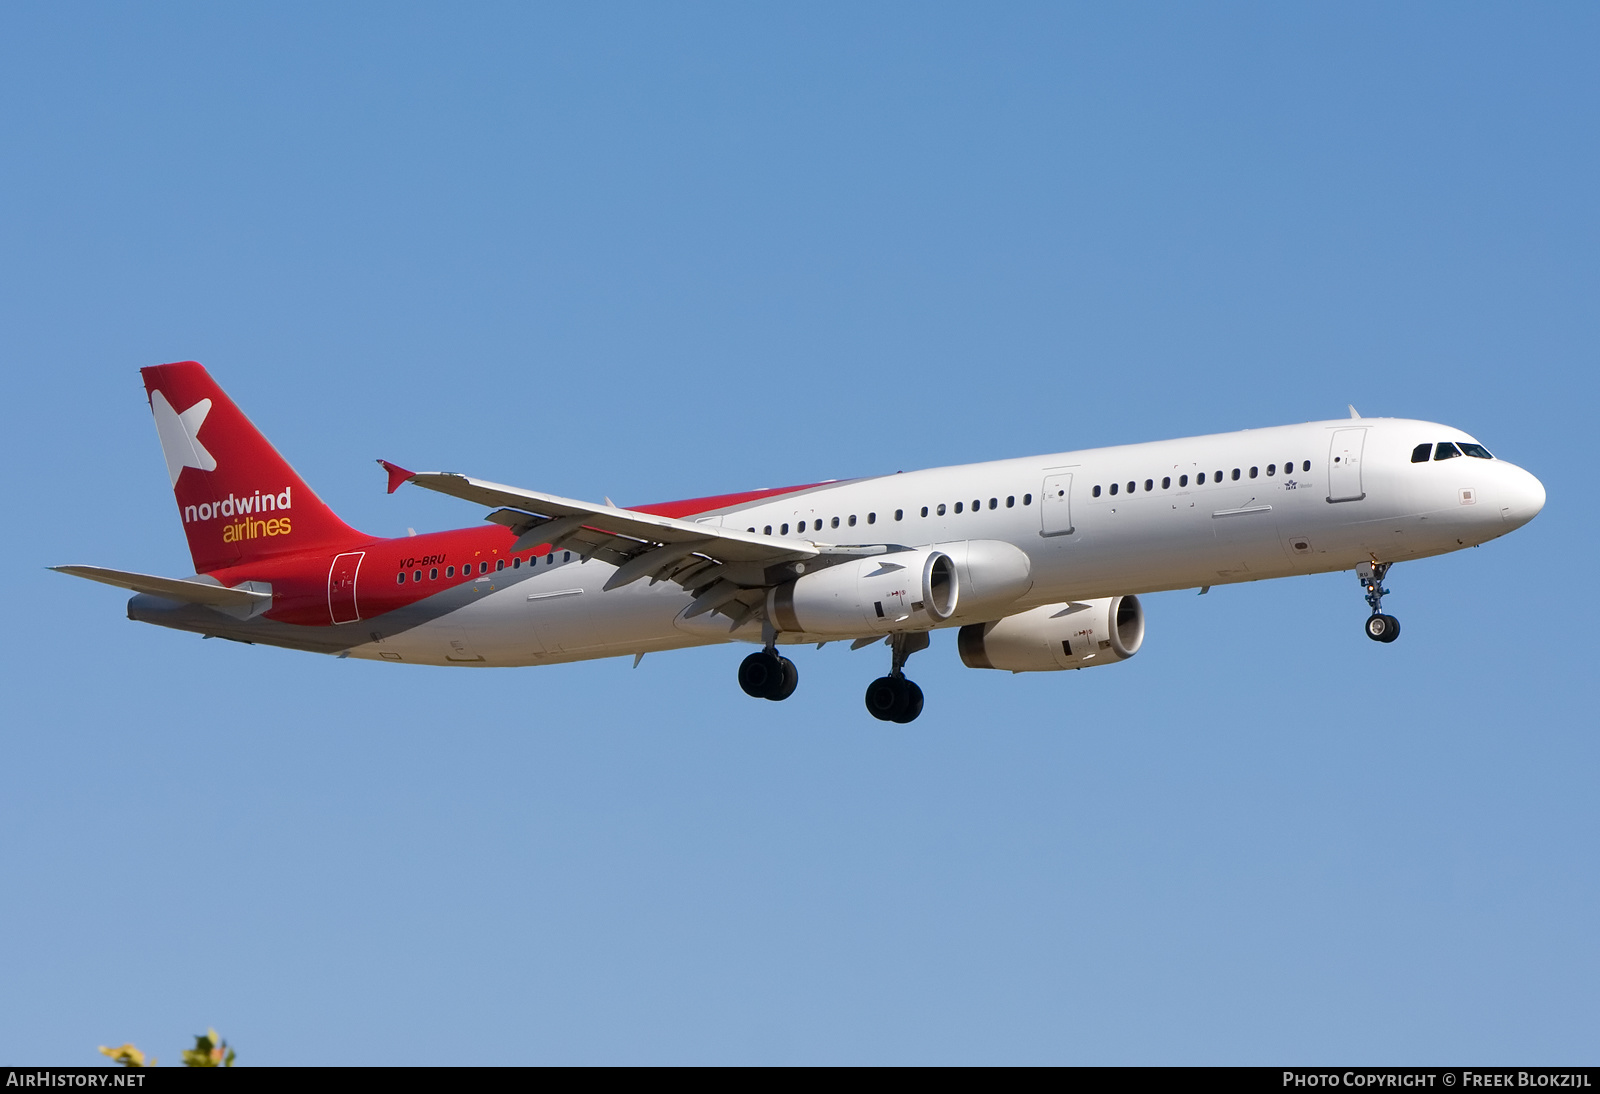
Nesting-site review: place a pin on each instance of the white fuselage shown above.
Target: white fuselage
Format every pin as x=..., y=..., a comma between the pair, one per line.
x=1298, y=499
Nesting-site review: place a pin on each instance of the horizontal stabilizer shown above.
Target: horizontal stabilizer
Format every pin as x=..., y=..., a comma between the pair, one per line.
x=187, y=590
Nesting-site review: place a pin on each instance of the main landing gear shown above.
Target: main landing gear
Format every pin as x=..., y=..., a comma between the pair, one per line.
x=893, y=698
x=769, y=675
x=1380, y=627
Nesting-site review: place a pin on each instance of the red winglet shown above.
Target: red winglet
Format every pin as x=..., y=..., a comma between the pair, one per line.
x=398, y=476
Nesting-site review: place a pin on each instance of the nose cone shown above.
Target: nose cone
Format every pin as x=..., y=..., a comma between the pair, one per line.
x=1522, y=496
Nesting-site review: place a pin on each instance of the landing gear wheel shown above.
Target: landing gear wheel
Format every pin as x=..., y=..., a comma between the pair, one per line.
x=1383, y=628
x=887, y=698
x=765, y=675
x=913, y=703
x=894, y=699
x=790, y=681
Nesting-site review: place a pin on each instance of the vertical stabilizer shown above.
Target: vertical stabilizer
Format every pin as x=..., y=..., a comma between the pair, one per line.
x=238, y=499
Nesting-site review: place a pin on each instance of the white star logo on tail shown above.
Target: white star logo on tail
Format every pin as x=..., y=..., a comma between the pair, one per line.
x=180, y=435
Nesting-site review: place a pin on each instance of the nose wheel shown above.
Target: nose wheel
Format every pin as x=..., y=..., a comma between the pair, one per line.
x=1383, y=628
x=767, y=675
x=1379, y=627
x=893, y=698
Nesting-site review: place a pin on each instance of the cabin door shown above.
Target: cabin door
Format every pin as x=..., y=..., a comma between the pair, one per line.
x=1344, y=465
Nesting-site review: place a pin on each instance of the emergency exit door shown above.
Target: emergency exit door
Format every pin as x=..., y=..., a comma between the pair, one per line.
x=1055, y=505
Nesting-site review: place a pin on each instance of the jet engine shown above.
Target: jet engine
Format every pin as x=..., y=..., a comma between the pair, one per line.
x=905, y=590
x=1078, y=635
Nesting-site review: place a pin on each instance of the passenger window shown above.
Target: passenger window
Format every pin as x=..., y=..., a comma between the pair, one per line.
x=941, y=509
x=835, y=522
x=1113, y=489
x=1200, y=479
x=784, y=530
x=1011, y=501
x=1027, y=499
x=1307, y=466
x=1216, y=476
x=1444, y=450
x=1183, y=480
x=402, y=578
x=1420, y=453
x=433, y=573
x=977, y=503
x=499, y=564
x=958, y=506
x=899, y=514
x=1254, y=471
x=1475, y=450
x=416, y=575
x=566, y=556
x=550, y=559
x=1149, y=485
x=852, y=520
x=1272, y=469
x=1235, y=474
x=1095, y=492
x=1166, y=483
x=872, y=518
x=924, y=510
x=1132, y=486
x=768, y=529
x=449, y=571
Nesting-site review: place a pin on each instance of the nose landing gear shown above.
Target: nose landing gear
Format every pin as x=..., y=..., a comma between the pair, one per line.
x=1379, y=627
x=893, y=698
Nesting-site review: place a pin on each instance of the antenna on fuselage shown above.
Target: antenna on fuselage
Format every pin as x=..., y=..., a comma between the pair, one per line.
x=1353, y=413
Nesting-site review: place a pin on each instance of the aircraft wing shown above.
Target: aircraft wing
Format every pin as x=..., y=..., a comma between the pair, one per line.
x=726, y=567
x=187, y=590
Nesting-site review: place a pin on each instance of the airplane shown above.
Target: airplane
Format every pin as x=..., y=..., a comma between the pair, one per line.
x=1038, y=562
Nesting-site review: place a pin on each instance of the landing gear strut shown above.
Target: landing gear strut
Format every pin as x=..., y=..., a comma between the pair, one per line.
x=893, y=698
x=1379, y=627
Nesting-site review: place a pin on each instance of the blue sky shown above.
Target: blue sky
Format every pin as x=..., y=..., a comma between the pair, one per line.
x=654, y=252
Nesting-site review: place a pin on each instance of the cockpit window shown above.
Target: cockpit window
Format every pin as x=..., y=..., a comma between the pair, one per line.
x=1421, y=453
x=1477, y=450
x=1444, y=450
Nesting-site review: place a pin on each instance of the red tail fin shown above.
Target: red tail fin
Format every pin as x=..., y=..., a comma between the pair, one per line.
x=239, y=500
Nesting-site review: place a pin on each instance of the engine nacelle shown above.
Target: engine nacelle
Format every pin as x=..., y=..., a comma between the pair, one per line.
x=906, y=590
x=994, y=575
x=1078, y=635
